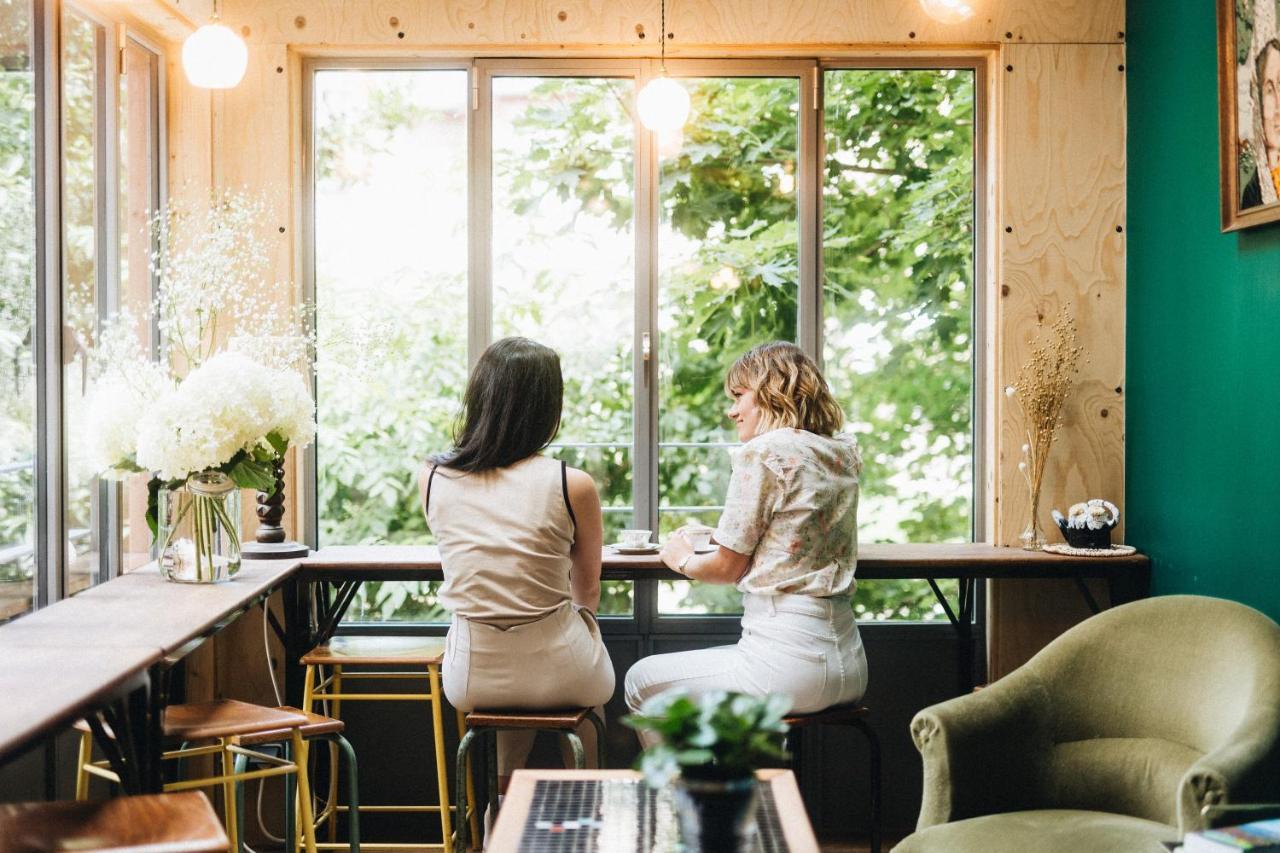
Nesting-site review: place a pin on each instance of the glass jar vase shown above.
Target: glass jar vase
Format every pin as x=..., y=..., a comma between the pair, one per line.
x=199, y=529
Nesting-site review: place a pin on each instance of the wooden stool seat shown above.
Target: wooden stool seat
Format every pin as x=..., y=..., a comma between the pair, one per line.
x=154, y=823
x=836, y=715
x=226, y=717
x=565, y=720
x=317, y=724
x=377, y=651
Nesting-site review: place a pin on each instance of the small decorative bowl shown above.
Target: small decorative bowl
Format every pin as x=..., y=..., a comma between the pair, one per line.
x=1089, y=524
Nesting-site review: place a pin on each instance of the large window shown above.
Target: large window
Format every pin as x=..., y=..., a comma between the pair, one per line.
x=830, y=206
x=17, y=308
x=80, y=176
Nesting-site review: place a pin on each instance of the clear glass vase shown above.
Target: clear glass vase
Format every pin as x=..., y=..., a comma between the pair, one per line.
x=199, y=529
x=1032, y=536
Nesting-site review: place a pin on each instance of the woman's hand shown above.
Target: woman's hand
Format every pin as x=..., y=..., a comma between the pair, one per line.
x=720, y=566
x=676, y=549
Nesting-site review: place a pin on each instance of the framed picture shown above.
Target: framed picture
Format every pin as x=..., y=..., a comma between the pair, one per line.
x=1249, y=111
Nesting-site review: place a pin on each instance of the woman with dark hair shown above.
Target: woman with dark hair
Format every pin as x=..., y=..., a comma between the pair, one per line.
x=520, y=544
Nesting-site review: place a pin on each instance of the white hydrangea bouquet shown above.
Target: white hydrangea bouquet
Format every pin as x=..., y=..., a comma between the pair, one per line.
x=216, y=405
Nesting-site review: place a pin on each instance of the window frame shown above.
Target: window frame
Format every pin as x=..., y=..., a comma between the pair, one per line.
x=51, y=576
x=809, y=71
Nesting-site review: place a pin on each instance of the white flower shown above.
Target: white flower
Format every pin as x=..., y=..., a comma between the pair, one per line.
x=118, y=403
x=1022, y=466
x=1009, y=390
x=1026, y=448
x=228, y=404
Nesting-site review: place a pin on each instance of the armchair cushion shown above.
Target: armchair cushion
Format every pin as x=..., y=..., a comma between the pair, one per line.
x=1044, y=831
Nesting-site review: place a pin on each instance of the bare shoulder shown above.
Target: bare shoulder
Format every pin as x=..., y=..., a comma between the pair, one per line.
x=581, y=486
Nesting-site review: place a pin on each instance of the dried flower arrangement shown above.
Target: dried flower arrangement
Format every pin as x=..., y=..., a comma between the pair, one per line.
x=1043, y=383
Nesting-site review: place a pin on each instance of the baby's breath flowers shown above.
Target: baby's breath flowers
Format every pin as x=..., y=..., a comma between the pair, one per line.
x=227, y=392
x=1043, y=383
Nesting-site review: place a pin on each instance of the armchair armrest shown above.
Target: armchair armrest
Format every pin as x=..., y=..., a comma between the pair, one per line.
x=983, y=753
x=1246, y=769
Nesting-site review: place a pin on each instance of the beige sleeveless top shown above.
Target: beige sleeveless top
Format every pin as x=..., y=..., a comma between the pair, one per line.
x=504, y=537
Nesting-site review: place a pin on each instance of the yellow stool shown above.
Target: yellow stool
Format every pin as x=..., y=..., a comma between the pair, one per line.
x=222, y=722
x=426, y=653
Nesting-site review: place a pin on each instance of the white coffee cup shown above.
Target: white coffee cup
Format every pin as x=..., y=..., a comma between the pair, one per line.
x=699, y=535
x=635, y=538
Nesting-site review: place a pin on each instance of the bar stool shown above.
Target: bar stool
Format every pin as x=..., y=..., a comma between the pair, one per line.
x=565, y=722
x=852, y=715
x=220, y=721
x=317, y=728
x=425, y=653
x=154, y=823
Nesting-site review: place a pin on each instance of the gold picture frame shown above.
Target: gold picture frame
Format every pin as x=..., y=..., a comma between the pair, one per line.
x=1249, y=111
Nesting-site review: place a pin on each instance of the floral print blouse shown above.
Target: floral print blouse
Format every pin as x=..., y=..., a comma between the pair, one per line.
x=793, y=506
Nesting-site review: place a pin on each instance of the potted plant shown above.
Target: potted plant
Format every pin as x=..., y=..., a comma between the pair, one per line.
x=710, y=746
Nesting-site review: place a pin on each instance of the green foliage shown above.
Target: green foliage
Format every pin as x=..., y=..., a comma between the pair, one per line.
x=897, y=306
x=714, y=735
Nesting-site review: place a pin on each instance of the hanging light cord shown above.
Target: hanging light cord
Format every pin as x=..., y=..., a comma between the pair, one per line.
x=662, y=39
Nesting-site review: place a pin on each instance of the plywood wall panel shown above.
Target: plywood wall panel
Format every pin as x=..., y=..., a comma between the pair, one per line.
x=531, y=24
x=1056, y=176
x=1062, y=244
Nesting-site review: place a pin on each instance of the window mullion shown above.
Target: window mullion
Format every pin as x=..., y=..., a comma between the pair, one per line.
x=49, y=474
x=480, y=202
x=809, y=318
x=645, y=475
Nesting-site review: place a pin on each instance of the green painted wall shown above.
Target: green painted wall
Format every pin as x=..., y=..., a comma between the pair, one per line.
x=1203, y=433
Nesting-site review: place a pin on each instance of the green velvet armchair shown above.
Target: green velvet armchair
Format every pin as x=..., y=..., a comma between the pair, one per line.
x=1112, y=738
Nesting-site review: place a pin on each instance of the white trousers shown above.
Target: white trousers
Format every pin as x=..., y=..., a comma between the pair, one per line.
x=806, y=647
x=558, y=661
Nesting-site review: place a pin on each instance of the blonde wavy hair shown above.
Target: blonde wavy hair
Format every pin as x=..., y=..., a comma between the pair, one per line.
x=788, y=387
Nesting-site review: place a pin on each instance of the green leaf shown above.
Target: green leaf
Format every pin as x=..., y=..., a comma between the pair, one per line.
x=252, y=474
x=278, y=442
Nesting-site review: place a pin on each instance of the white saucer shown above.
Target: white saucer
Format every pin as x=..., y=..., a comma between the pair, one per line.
x=621, y=548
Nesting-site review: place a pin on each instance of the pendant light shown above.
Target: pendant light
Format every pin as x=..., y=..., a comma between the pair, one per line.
x=213, y=56
x=663, y=103
x=947, y=11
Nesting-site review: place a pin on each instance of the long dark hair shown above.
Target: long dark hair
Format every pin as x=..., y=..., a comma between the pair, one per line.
x=511, y=409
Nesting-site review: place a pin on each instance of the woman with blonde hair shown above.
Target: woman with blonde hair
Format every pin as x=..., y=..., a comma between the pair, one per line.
x=787, y=538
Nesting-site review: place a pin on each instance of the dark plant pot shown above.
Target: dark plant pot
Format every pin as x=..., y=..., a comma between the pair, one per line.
x=1084, y=537
x=716, y=816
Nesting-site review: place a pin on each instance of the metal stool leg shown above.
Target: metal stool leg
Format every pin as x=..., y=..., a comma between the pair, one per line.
x=331, y=802
x=466, y=794
x=462, y=811
x=242, y=762
x=442, y=761
x=579, y=754
x=304, y=792
x=492, y=793
x=83, y=757
x=601, y=761
x=291, y=828
x=874, y=743
x=353, y=791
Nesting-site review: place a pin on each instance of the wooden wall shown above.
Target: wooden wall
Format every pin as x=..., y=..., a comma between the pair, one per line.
x=1055, y=176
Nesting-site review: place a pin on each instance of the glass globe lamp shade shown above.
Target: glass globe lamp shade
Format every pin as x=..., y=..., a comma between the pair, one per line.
x=663, y=104
x=214, y=57
x=947, y=11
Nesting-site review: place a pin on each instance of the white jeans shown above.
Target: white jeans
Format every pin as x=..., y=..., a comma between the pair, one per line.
x=806, y=647
x=558, y=661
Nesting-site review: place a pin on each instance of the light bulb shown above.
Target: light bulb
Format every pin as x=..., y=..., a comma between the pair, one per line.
x=947, y=11
x=214, y=57
x=663, y=104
